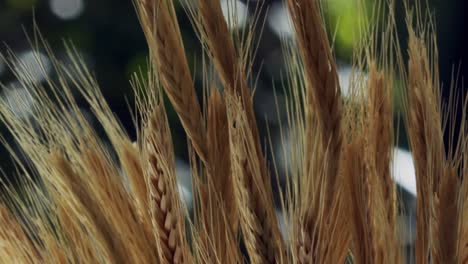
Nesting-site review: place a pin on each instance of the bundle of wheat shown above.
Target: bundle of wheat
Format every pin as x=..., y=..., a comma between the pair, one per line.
x=84, y=201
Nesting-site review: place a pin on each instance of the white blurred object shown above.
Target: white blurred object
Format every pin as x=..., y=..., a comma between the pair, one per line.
x=280, y=21
x=282, y=225
x=19, y=100
x=348, y=76
x=185, y=196
x=67, y=9
x=344, y=76
x=184, y=182
x=235, y=13
x=33, y=66
x=403, y=170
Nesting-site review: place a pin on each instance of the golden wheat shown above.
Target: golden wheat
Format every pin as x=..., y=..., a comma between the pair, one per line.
x=86, y=200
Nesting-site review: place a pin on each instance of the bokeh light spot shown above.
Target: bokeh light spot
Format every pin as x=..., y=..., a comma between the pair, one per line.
x=67, y=9
x=33, y=66
x=235, y=13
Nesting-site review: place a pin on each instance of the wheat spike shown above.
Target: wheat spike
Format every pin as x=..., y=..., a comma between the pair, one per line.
x=221, y=213
x=322, y=106
x=165, y=210
x=166, y=48
x=378, y=152
x=364, y=237
x=323, y=96
x=254, y=203
x=380, y=133
x=114, y=247
x=425, y=135
x=228, y=63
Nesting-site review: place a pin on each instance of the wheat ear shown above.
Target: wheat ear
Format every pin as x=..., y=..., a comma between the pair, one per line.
x=322, y=107
x=221, y=221
x=323, y=95
x=425, y=136
x=159, y=23
x=113, y=246
x=363, y=232
x=164, y=204
x=439, y=187
x=366, y=169
x=254, y=204
x=215, y=34
x=378, y=153
x=380, y=136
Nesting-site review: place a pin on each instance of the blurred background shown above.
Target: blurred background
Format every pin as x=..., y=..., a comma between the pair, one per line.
x=108, y=34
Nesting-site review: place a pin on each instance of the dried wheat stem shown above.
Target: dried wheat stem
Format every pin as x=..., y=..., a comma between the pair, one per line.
x=165, y=209
x=166, y=48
